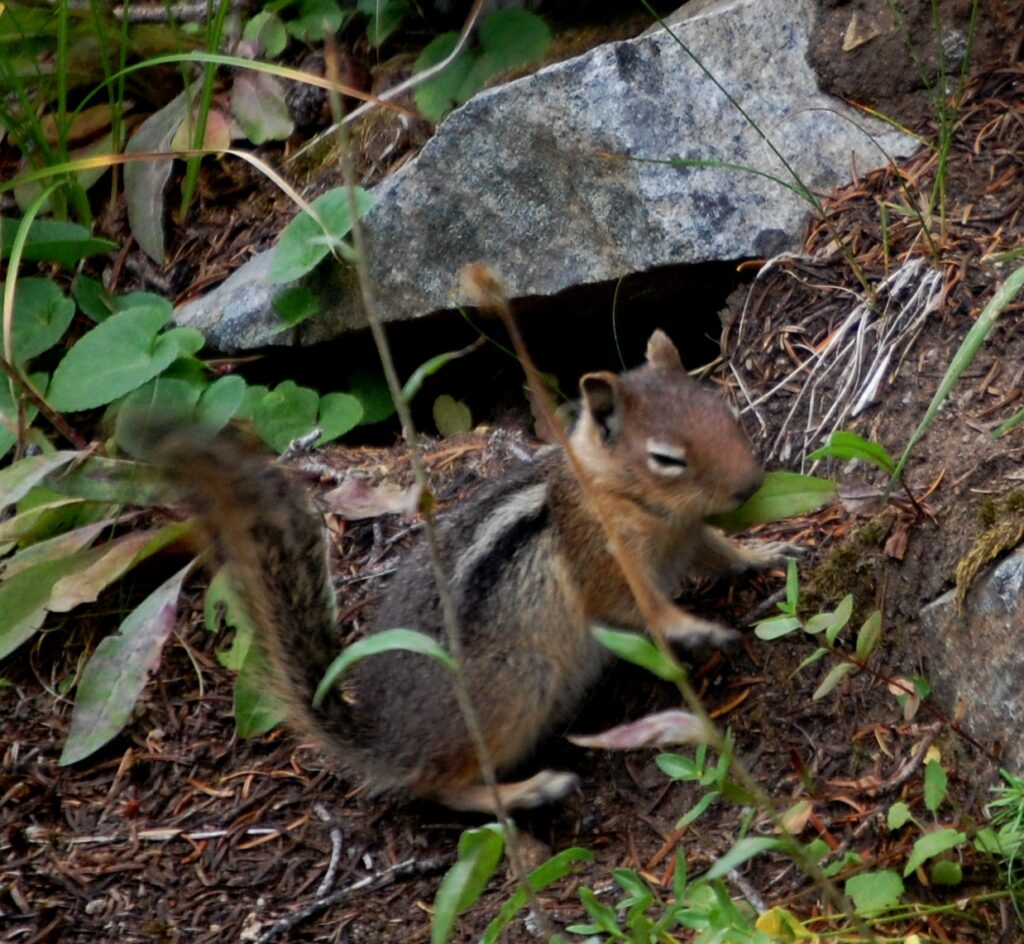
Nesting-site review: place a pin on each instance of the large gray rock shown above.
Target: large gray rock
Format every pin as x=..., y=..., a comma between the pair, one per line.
x=977, y=658
x=560, y=178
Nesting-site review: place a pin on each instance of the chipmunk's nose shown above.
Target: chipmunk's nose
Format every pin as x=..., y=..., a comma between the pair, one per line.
x=750, y=484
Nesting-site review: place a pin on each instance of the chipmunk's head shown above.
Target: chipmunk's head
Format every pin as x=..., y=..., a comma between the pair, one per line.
x=657, y=435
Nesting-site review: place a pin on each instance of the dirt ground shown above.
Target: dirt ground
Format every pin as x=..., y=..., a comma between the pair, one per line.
x=181, y=831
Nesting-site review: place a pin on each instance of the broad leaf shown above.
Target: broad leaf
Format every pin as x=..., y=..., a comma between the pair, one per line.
x=144, y=181
x=339, y=413
x=53, y=241
x=371, y=389
x=19, y=479
x=220, y=402
x=870, y=635
x=119, y=556
x=451, y=416
x=440, y=93
x=42, y=313
x=119, y=669
x=286, y=413
x=258, y=103
x=23, y=597
x=304, y=242
x=113, y=359
x=932, y=844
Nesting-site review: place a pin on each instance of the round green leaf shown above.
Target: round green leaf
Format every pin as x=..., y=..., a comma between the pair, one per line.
x=339, y=412
x=875, y=891
x=284, y=414
x=219, y=402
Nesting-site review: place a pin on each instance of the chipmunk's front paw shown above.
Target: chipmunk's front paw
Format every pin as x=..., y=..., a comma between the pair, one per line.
x=696, y=633
x=771, y=554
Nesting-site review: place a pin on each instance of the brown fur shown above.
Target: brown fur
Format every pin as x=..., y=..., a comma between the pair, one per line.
x=529, y=569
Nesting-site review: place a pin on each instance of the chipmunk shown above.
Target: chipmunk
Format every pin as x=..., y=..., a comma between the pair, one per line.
x=529, y=570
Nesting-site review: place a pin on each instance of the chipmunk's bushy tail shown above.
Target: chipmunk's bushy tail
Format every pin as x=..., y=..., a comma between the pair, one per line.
x=273, y=543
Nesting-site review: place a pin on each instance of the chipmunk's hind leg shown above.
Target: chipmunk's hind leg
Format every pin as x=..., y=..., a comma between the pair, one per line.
x=540, y=789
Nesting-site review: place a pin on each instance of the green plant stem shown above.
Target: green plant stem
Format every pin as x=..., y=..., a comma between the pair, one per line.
x=453, y=636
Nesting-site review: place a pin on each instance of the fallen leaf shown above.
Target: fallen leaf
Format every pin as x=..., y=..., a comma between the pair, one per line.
x=662, y=729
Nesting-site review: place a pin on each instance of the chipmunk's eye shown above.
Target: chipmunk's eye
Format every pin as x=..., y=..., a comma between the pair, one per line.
x=665, y=459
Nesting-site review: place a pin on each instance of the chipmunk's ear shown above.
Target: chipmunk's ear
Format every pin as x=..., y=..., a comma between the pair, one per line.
x=602, y=396
x=661, y=352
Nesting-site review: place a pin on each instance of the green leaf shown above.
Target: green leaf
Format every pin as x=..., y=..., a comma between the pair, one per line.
x=846, y=446
x=603, y=916
x=640, y=651
x=480, y=852
x=783, y=495
x=268, y=31
x=427, y=369
x=258, y=104
x=792, y=589
x=385, y=16
x=898, y=816
x=110, y=480
x=946, y=873
x=304, y=242
x=113, y=359
x=316, y=19
x=440, y=93
x=389, y=640
x=678, y=767
x=19, y=479
x=53, y=241
x=220, y=402
x=932, y=844
x=874, y=891
x=870, y=635
x=776, y=627
x=371, y=389
x=23, y=597
x=744, y=849
x=286, y=413
x=510, y=39
x=840, y=618
x=42, y=313
x=451, y=416
x=26, y=523
x=810, y=660
x=558, y=866
x=836, y=674
x=172, y=401
x=119, y=669
x=252, y=397
x=697, y=810
x=117, y=558
x=294, y=305
x=339, y=412
x=934, y=785
x=256, y=708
